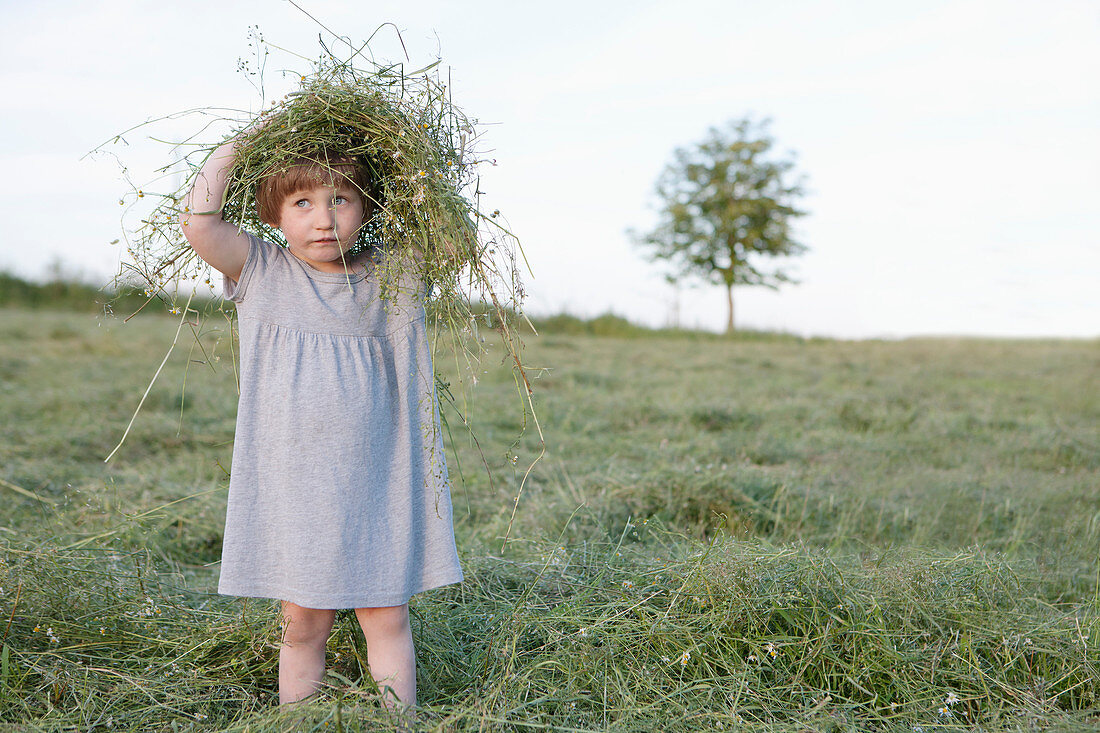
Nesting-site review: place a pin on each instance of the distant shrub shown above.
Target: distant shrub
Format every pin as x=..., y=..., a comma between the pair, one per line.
x=67, y=293
x=615, y=326
x=607, y=324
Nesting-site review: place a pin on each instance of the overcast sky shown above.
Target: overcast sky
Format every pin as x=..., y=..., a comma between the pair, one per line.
x=951, y=149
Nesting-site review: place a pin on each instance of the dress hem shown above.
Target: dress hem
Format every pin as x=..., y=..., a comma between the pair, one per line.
x=305, y=600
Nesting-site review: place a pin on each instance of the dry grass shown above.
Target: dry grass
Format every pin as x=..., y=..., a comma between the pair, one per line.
x=857, y=546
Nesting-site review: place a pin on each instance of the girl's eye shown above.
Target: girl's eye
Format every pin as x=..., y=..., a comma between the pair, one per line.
x=301, y=203
x=339, y=200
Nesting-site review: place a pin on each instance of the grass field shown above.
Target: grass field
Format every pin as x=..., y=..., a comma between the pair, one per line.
x=759, y=533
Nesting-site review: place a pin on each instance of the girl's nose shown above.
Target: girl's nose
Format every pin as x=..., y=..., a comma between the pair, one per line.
x=325, y=217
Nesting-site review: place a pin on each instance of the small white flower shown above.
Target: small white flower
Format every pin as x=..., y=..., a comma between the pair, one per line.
x=951, y=699
x=685, y=658
x=628, y=584
x=583, y=632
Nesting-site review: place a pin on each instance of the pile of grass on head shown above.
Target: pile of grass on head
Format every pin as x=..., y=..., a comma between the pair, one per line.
x=412, y=142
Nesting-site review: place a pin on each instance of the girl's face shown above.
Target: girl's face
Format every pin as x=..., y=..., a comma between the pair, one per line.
x=321, y=223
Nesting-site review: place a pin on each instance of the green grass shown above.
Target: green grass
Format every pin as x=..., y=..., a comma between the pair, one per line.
x=897, y=522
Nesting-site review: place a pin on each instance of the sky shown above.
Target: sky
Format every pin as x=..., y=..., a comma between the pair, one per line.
x=950, y=150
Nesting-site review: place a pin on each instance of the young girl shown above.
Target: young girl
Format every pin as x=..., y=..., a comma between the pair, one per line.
x=338, y=495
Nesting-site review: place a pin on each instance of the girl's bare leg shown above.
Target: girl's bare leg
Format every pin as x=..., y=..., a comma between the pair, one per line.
x=302, y=653
x=390, y=652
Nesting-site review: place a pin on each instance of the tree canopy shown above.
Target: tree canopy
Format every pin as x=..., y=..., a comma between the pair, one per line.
x=724, y=203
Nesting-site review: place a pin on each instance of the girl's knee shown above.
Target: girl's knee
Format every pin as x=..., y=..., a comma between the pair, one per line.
x=306, y=626
x=387, y=621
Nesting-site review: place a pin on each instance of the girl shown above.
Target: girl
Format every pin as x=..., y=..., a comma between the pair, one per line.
x=338, y=495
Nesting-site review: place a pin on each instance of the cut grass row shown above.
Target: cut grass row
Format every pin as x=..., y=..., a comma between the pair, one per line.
x=584, y=637
x=764, y=534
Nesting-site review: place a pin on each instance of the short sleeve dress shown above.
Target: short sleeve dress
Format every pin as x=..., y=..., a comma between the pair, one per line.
x=338, y=491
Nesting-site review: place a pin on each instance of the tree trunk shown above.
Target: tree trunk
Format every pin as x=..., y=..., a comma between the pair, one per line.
x=729, y=300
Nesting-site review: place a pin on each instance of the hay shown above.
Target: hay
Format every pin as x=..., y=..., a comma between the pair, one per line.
x=405, y=132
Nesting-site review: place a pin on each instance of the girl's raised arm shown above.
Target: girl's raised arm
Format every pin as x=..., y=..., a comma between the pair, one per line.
x=221, y=244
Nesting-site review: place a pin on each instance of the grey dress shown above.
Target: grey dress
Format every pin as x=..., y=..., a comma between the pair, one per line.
x=338, y=492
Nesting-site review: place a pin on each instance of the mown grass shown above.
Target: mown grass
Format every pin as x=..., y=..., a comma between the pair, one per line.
x=760, y=534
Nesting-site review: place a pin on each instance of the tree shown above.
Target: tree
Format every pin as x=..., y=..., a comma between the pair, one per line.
x=724, y=203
